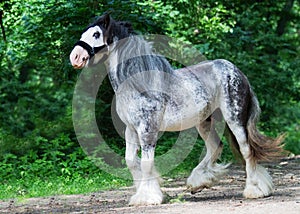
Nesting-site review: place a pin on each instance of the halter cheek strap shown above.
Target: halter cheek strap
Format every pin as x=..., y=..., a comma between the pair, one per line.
x=91, y=50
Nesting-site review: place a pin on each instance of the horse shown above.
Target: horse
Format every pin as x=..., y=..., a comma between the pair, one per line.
x=151, y=97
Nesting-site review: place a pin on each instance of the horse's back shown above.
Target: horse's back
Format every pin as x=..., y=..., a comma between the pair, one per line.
x=214, y=73
x=217, y=84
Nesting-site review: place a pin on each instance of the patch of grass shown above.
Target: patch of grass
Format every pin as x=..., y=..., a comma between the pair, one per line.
x=39, y=187
x=178, y=199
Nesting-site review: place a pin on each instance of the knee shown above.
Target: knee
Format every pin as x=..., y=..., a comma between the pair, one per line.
x=245, y=150
x=147, y=166
x=131, y=164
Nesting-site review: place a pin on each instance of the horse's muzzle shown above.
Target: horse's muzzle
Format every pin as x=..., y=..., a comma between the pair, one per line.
x=79, y=57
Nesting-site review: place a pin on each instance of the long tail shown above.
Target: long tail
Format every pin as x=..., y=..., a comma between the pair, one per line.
x=263, y=148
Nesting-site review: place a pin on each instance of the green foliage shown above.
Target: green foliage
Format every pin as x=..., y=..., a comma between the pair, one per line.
x=52, y=167
x=37, y=141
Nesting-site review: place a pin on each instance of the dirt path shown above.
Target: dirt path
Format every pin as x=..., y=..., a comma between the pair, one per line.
x=225, y=197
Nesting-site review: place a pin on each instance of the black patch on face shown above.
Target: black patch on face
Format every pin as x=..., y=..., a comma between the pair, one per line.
x=96, y=35
x=111, y=28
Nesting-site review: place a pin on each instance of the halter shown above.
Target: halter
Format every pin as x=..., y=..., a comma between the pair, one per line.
x=91, y=50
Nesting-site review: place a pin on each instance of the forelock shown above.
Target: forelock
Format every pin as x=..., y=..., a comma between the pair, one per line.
x=93, y=25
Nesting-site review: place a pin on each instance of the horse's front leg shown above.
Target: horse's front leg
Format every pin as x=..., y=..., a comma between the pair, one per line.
x=148, y=191
x=131, y=155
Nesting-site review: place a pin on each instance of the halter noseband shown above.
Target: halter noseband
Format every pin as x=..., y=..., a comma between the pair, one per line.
x=91, y=50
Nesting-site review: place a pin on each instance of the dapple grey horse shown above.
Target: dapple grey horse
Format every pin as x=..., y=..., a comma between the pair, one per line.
x=151, y=96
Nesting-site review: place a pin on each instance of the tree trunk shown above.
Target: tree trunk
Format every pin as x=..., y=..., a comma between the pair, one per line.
x=285, y=16
x=2, y=27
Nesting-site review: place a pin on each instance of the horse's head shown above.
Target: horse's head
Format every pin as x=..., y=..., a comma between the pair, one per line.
x=94, y=39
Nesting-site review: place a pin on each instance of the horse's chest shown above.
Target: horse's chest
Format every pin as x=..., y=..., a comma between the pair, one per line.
x=134, y=108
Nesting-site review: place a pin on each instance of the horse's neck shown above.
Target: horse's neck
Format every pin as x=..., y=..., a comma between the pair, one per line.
x=123, y=54
x=112, y=70
x=133, y=61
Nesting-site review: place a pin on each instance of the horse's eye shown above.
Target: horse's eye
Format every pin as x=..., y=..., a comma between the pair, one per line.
x=96, y=35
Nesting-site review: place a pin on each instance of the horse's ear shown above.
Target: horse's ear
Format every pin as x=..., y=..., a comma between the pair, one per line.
x=106, y=21
x=107, y=24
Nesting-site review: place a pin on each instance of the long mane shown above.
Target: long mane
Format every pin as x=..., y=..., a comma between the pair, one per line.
x=134, y=55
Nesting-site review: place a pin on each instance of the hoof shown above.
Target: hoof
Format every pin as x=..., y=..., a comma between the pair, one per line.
x=205, y=177
x=256, y=192
x=146, y=199
x=194, y=184
x=195, y=190
x=260, y=185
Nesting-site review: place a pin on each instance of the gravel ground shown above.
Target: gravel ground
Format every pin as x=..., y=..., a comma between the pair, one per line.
x=224, y=197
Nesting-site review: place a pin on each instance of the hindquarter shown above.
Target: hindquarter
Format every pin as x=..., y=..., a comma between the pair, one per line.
x=235, y=92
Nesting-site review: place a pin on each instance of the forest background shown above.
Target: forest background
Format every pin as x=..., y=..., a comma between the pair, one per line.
x=39, y=152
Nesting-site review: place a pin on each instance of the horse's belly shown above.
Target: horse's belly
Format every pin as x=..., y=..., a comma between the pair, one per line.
x=183, y=118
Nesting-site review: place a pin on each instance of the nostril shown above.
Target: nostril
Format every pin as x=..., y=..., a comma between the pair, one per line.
x=76, y=56
x=84, y=59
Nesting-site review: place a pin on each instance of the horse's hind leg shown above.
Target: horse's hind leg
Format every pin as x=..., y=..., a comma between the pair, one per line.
x=207, y=171
x=258, y=182
x=240, y=109
x=236, y=115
